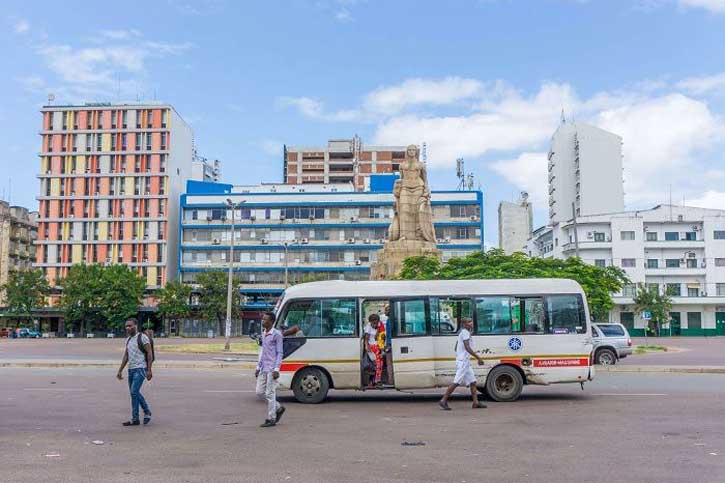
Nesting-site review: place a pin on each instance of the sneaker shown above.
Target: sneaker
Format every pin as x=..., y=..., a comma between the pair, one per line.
x=267, y=423
x=444, y=406
x=131, y=423
x=478, y=406
x=280, y=412
x=146, y=419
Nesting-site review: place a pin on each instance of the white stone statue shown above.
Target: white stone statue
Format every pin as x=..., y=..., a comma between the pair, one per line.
x=413, y=219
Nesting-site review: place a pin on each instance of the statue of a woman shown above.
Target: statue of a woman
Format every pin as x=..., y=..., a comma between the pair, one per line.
x=413, y=219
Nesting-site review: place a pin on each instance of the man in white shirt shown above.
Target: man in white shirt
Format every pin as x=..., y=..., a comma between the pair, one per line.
x=464, y=372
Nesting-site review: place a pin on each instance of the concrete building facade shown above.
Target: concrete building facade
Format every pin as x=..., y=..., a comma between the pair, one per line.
x=204, y=170
x=678, y=249
x=18, y=231
x=110, y=180
x=302, y=233
x=515, y=224
x=584, y=170
x=341, y=161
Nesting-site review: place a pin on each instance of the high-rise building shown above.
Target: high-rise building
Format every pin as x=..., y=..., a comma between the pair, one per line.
x=341, y=161
x=18, y=231
x=585, y=172
x=679, y=250
x=288, y=234
x=205, y=170
x=515, y=224
x=110, y=180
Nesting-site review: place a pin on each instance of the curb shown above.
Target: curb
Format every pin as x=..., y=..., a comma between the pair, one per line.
x=103, y=364
x=663, y=369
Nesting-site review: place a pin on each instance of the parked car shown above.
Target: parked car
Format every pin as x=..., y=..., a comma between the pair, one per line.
x=28, y=333
x=611, y=343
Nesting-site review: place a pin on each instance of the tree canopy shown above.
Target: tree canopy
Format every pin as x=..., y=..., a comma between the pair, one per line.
x=599, y=283
x=650, y=299
x=213, y=297
x=24, y=291
x=95, y=295
x=174, y=301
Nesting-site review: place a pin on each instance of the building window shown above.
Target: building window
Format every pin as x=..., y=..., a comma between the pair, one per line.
x=598, y=237
x=673, y=289
x=65, y=120
x=89, y=119
x=627, y=235
x=98, y=142
x=88, y=142
x=693, y=292
x=720, y=262
x=691, y=236
x=651, y=236
x=164, y=117
x=148, y=141
x=720, y=289
x=652, y=263
x=50, y=121
x=691, y=263
x=162, y=163
x=163, y=140
x=600, y=262
x=653, y=287
x=124, y=141
x=113, y=119
x=694, y=320
x=628, y=262
x=629, y=290
x=113, y=142
x=719, y=234
x=672, y=236
x=138, y=141
x=125, y=119
x=672, y=263
x=138, y=119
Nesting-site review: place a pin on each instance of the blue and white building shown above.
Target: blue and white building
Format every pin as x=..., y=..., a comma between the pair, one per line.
x=287, y=234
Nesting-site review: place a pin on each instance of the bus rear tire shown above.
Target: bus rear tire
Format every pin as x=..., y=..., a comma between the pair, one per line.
x=504, y=384
x=310, y=386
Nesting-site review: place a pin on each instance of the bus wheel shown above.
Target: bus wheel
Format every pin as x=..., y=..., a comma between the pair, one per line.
x=504, y=384
x=605, y=357
x=310, y=386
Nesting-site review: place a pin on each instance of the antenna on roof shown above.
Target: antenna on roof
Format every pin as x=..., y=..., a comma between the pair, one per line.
x=563, y=117
x=51, y=98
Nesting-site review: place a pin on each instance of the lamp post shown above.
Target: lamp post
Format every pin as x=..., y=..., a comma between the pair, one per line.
x=286, y=262
x=228, y=324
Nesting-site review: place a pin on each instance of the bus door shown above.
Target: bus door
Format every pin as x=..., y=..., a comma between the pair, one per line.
x=447, y=315
x=412, y=344
x=381, y=308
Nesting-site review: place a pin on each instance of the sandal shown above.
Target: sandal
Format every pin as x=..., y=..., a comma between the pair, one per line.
x=478, y=406
x=444, y=406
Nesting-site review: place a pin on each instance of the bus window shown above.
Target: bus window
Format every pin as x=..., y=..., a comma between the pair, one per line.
x=447, y=314
x=534, y=315
x=493, y=315
x=323, y=318
x=410, y=317
x=566, y=314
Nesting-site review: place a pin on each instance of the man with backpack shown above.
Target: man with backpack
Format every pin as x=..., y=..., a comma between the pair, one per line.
x=139, y=355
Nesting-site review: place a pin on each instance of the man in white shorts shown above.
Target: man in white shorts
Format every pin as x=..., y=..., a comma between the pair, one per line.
x=464, y=372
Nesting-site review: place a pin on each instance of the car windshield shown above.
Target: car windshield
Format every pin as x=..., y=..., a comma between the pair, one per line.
x=611, y=330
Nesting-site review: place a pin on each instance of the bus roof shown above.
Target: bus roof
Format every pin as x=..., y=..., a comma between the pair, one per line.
x=393, y=288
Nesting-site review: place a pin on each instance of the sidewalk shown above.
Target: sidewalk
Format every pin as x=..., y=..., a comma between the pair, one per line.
x=238, y=363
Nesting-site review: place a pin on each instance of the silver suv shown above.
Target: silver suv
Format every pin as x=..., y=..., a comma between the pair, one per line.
x=611, y=343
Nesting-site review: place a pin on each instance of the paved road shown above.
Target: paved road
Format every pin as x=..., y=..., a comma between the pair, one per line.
x=692, y=351
x=623, y=427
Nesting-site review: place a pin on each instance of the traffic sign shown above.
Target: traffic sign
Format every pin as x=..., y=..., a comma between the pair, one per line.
x=647, y=315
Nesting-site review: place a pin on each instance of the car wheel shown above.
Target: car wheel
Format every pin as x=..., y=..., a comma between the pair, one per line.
x=605, y=357
x=504, y=384
x=310, y=386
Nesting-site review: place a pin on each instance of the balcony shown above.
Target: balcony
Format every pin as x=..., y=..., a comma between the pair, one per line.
x=677, y=271
x=587, y=245
x=679, y=244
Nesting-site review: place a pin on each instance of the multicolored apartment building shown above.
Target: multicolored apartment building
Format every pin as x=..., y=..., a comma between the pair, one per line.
x=110, y=180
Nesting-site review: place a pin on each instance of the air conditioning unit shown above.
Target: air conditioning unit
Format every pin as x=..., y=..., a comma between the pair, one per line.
x=691, y=255
x=312, y=217
x=264, y=241
x=367, y=241
x=358, y=262
x=208, y=218
x=695, y=228
x=305, y=241
x=703, y=294
x=294, y=220
x=353, y=219
x=216, y=241
x=71, y=215
x=609, y=238
x=350, y=241
x=382, y=241
x=590, y=234
x=446, y=240
x=145, y=260
x=252, y=218
x=281, y=217
x=703, y=264
x=682, y=261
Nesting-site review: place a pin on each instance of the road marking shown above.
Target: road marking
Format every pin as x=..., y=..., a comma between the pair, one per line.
x=58, y=389
x=225, y=390
x=629, y=394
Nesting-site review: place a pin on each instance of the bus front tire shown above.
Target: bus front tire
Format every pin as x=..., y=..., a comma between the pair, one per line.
x=504, y=384
x=310, y=386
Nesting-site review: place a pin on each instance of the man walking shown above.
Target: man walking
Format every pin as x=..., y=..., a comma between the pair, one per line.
x=464, y=372
x=138, y=356
x=267, y=373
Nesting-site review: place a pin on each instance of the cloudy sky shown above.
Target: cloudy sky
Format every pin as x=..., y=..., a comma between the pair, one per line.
x=485, y=80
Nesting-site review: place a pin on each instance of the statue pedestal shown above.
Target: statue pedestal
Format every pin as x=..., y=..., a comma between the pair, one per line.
x=390, y=258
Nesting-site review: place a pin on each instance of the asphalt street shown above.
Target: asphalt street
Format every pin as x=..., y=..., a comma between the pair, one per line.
x=622, y=427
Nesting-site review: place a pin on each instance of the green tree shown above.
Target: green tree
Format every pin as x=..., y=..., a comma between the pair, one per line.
x=173, y=302
x=650, y=299
x=213, y=297
x=95, y=295
x=598, y=283
x=24, y=291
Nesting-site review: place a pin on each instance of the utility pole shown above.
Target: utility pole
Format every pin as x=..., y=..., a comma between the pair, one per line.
x=576, y=234
x=228, y=324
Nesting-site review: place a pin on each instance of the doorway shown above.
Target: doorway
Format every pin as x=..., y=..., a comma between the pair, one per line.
x=376, y=366
x=720, y=323
x=675, y=322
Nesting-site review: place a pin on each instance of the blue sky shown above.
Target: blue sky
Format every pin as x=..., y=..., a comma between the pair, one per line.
x=485, y=80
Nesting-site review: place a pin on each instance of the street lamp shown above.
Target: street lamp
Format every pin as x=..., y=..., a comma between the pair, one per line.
x=286, y=262
x=228, y=325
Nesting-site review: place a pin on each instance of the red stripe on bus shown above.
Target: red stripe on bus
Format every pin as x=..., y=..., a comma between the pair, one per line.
x=516, y=362
x=291, y=367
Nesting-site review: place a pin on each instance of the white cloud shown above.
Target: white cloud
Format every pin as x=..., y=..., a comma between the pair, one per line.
x=343, y=15
x=528, y=172
x=709, y=199
x=714, y=84
x=120, y=34
x=717, y=6
x=21, y=26
x=388, y=100
x=314, y=109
